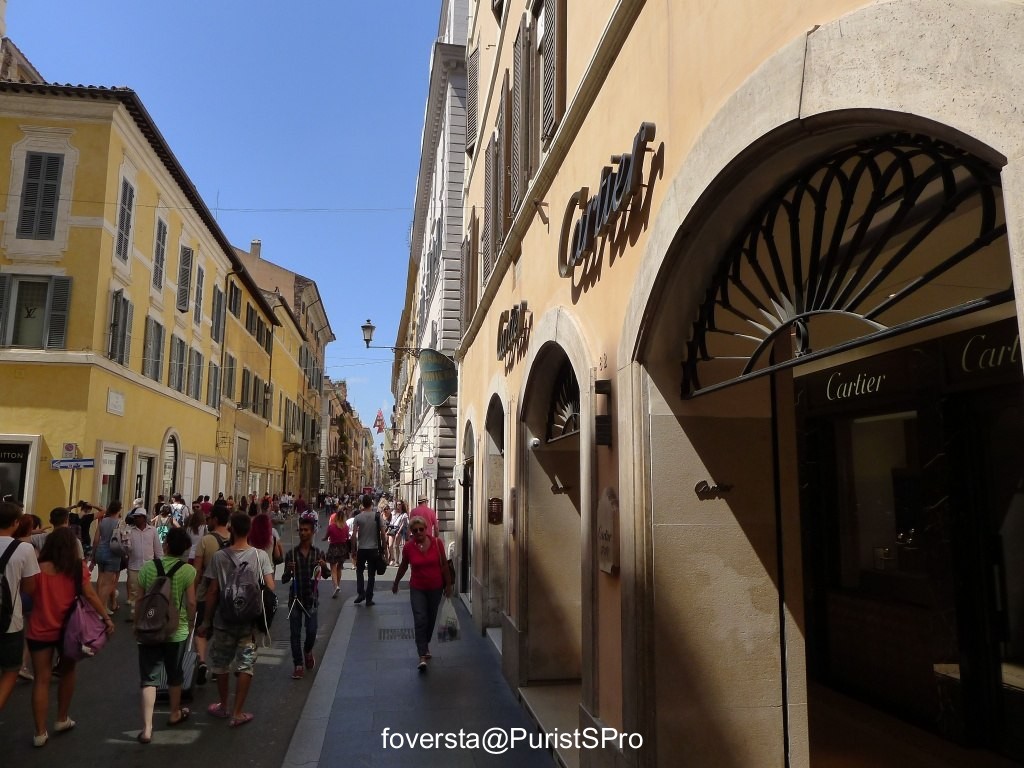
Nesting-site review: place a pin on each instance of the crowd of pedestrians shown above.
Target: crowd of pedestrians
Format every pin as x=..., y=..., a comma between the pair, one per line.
x=199, y=589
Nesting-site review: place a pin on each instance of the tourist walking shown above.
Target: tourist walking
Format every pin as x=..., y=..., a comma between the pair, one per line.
x=430, y=580
x=106, y=559
x=427, y=513
x=399, y=531
x=304, y=566
x=62, y=576
x=237, y=573
x=145, y=546
x=369, y=534
x=162, y=648
x=338, y=545
x=20, y=569
x=218, y=537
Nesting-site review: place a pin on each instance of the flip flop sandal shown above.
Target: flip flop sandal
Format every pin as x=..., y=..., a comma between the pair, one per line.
x=218, y=710
x=242, y=719
x=185, y=712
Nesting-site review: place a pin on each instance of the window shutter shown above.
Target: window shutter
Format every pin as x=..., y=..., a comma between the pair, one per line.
x=40, y=196
x=472, y=100
x=147, y=348
x=489, y=203
x=504, y=156
x=5, y=291
x=197, y=316
x=124, y=220
x=158, y=350
x=126, y=344
x=116, y=325
x=229, y=377
x=553, y=55
x=184, y=278
x=159, y=254
x=522, y=67
x=246, y=386
x=60, y=305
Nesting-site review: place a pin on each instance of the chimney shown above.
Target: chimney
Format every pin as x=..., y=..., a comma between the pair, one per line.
x=254, y=248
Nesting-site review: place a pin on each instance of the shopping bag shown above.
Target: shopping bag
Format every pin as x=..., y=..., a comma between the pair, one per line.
x=447, y=622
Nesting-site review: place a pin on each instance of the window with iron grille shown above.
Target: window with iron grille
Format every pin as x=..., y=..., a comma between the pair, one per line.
x=40, y=195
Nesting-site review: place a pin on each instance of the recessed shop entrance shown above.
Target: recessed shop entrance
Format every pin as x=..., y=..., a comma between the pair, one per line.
x=913, y=529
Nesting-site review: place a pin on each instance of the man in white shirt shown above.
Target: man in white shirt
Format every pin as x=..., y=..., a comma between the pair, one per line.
x=19, y=565
x=145, y=546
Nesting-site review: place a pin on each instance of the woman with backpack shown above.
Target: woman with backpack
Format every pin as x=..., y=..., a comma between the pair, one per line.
x=164, y=616
x=105, y=556
x=61, y=570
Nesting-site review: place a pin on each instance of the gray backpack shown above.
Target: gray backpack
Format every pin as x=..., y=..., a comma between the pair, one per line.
x=242, y=601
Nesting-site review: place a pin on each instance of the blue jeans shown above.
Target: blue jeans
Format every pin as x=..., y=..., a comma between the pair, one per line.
x=366, y=557
x=296, y=620
x=425, y=604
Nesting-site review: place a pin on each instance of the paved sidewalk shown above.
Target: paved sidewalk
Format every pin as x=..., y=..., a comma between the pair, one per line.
x=368, y=681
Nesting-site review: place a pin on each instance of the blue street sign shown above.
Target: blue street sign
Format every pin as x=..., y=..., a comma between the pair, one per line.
x=72, y=463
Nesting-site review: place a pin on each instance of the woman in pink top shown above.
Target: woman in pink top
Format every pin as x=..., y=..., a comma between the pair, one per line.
x=430, y=579
x=60, y=566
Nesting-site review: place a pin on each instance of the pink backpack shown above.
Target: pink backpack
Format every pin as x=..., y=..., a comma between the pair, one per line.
x=85, y=632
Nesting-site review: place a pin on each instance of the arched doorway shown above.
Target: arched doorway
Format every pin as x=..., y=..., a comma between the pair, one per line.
x=492, y=530
x=551, y=436
x=846, y=338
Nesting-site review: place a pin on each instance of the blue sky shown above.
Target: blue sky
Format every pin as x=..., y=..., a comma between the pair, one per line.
x=282, y=108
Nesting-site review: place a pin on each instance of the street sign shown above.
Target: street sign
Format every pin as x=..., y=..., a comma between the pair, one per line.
x=72, y=463
x=70, y=450
x=430, y=467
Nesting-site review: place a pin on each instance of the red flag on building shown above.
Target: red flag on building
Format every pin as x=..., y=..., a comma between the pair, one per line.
x=378, y=423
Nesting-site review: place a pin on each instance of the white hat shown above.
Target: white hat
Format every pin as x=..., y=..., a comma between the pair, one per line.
x=139, y=503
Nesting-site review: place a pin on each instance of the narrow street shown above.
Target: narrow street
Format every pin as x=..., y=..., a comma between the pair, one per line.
x=106, y=707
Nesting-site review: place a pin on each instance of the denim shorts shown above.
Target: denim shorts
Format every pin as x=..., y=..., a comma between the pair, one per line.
x=107, y=563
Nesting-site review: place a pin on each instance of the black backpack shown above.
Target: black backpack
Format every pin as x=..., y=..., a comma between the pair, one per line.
x=158, y=617
x=6, y=595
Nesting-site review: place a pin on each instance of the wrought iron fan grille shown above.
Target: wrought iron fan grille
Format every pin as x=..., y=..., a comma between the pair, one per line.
x=564, y=416
x=881, y=236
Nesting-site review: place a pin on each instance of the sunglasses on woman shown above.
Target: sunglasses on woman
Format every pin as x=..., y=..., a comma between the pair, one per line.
x=417, y=530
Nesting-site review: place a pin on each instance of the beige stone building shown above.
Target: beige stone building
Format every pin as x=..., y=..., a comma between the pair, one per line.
x=740, y=422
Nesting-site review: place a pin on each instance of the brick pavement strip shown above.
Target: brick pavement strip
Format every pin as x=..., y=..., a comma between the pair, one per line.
x=107, y=710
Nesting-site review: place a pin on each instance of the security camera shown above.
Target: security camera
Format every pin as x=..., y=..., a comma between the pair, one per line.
x=535, y=442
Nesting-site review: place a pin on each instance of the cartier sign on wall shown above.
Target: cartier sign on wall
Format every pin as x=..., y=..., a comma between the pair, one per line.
x=617, y=188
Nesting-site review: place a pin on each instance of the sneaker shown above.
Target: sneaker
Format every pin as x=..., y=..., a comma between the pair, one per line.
x=359, y=599
x=370, y=602
x=310, y=661
x=25, y=674
x=202, y=672
x=336, y=591
x=40, y=740
x=298, y=673
x=64, y=725
x=422, y=666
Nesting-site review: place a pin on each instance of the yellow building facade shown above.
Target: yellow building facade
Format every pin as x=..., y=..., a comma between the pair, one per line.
x=130, y=332
x=740, y=383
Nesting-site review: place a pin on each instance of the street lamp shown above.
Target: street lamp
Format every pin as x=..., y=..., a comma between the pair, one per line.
x=368, y=329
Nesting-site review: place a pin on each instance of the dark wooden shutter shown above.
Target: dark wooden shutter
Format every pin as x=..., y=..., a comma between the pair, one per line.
x=159, y=254
x=124, y=220
x=472, y=100
x=489, y=203
x=553, y=55
x=197, y=315
x=60, y=305
x=40, y=196
x=184, y=278
x=126, y=344
x=147, y=348
x=158, y=351
x=5, y=292
x=246, y=387
x=502, y=158
x=522, y=69
x=116, y=324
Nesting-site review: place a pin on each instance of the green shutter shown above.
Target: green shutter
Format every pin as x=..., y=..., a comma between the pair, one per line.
x=124, y=220
x=184, y=278
x=5, y=292
x=60, y=306
x=40, y=196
